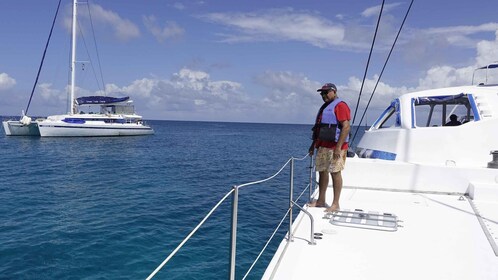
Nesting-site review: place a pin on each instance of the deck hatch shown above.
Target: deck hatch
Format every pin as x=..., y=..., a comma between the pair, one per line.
x=367, y=220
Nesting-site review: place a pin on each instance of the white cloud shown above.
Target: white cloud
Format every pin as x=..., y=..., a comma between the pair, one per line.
x=464, y=29
x=48, y=93
x=188, y=95
x=425, y=47
x=446, y=76
x=171, y=30
x=487, y=51
x=6, y=82
x=374, y=11
x=288, y=97
x=179, y=6
x=460, y=35
x=280, y=25
x=123, y=29
x=345, y=32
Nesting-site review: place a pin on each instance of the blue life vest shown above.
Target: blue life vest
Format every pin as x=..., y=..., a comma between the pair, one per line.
x=330, y=129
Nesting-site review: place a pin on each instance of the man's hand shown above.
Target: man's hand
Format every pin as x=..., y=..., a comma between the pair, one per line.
x=311, y=150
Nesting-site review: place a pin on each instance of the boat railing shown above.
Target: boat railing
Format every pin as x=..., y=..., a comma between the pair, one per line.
x=487, y=67
x=234, y=193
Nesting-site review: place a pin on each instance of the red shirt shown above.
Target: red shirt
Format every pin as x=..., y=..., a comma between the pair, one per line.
x=342, y=113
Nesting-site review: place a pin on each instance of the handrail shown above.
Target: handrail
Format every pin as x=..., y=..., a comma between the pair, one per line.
x=234, y=191
x=312, y=238
x=267, y=179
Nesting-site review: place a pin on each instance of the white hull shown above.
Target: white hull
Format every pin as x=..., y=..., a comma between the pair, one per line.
x=60, y=129
x=91, y=125
x=16, y=128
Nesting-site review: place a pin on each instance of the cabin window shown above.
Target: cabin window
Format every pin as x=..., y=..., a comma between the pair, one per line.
x=121, y=109
x=390, y=117
x=435, y=111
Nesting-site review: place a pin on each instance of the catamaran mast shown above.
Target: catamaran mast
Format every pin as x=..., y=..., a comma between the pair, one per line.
x=73, y=59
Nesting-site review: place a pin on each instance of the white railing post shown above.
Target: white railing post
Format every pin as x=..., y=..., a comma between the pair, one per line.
x=233, y=233
x=291, y=191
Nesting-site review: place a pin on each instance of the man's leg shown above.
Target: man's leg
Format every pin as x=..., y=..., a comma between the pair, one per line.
x=323, y=182
x=337, y=185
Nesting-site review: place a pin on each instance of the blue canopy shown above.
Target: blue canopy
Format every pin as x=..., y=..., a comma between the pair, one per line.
x=100, y=100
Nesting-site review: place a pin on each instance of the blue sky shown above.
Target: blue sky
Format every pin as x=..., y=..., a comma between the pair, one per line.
x=247, y=61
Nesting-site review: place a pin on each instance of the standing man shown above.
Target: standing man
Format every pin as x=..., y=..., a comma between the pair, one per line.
x=330, y=137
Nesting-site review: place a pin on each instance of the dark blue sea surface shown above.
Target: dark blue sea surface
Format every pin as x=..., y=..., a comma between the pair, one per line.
x=114, y=208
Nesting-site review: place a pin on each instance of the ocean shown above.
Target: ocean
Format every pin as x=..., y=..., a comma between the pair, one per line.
x=115, y=208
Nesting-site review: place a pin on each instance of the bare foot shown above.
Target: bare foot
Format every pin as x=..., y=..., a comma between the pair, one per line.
x=333, y=208
x=315, y=203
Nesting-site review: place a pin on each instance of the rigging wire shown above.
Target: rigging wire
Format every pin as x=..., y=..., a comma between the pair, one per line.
x=96, y=48
x=89, y=57
x=383, y=68
x=368, y=61
x=43, y=57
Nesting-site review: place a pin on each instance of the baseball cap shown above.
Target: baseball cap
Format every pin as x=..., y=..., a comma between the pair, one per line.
x=327, y=87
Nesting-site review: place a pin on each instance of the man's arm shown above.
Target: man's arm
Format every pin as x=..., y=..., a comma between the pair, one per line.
x=342, y=137
x=311, y=150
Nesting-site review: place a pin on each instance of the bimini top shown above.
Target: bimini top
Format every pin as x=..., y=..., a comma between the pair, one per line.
x=100, y=100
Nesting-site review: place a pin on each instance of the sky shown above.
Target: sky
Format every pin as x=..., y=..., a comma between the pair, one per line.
x=240, y=61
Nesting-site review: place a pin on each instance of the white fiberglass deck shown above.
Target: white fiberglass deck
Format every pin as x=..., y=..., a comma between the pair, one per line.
x=440, y=238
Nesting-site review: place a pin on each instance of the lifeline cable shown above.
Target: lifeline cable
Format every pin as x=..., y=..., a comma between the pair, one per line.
x=43, y=57
x=383, y=68
x=368, y=61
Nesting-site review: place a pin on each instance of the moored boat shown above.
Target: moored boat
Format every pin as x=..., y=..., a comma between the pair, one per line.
x=23, y=127
x=420, y=199
x=106, y=116
x=116, y=115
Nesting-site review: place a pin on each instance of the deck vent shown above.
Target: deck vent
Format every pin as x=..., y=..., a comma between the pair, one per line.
x=494, y=162
x=366, y=220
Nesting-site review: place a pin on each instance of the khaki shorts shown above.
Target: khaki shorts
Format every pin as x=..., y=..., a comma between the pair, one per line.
x=325, y=160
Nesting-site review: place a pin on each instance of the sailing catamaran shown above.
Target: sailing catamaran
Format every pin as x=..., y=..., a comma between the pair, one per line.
x=420, y=199
x=115, y=115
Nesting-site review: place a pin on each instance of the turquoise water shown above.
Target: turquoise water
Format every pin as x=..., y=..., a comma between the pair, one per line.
x=114, y=208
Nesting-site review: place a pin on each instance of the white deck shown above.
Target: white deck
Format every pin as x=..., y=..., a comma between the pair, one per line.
x=441, y=238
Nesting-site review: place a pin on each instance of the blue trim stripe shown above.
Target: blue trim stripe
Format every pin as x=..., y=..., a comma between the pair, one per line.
x=477, y=116
x=383, y=155
x=368, y=153
x=413, y=112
